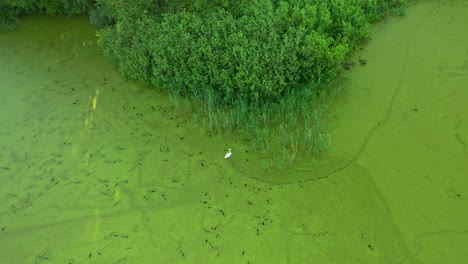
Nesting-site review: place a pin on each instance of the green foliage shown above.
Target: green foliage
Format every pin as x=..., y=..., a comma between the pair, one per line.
x=104, y=13
x=12, y=9
x=254, y=50
x=8, y=15
x=377, y=9
x=249, y=57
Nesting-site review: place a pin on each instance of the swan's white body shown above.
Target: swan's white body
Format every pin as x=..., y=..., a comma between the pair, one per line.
x=228, y=154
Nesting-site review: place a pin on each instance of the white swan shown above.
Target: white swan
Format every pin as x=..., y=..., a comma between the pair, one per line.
x=228, y=154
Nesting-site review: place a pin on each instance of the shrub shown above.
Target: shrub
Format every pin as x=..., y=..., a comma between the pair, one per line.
x=12, y=9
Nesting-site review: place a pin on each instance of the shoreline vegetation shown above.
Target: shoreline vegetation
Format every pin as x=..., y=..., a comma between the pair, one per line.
x=261, y=70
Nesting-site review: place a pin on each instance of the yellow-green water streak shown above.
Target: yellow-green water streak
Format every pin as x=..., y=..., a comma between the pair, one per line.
x=95, y=169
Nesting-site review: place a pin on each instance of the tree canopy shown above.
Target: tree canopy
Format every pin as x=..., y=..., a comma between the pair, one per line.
x=253, y=50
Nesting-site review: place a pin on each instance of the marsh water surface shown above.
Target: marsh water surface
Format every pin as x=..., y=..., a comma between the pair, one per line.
x=97, y=169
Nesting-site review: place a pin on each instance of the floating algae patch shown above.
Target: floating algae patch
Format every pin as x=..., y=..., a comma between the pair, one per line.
x=97, y=169
x=402, y=119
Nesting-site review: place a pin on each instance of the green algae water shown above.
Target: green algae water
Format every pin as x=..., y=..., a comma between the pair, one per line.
x=96, y=169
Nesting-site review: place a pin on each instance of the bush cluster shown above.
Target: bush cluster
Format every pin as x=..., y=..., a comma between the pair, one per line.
x=259, y=52
x=12, y=9
x=250, y=50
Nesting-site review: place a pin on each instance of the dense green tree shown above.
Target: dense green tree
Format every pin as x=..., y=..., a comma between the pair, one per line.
x=254, y=50
x=10, y=10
